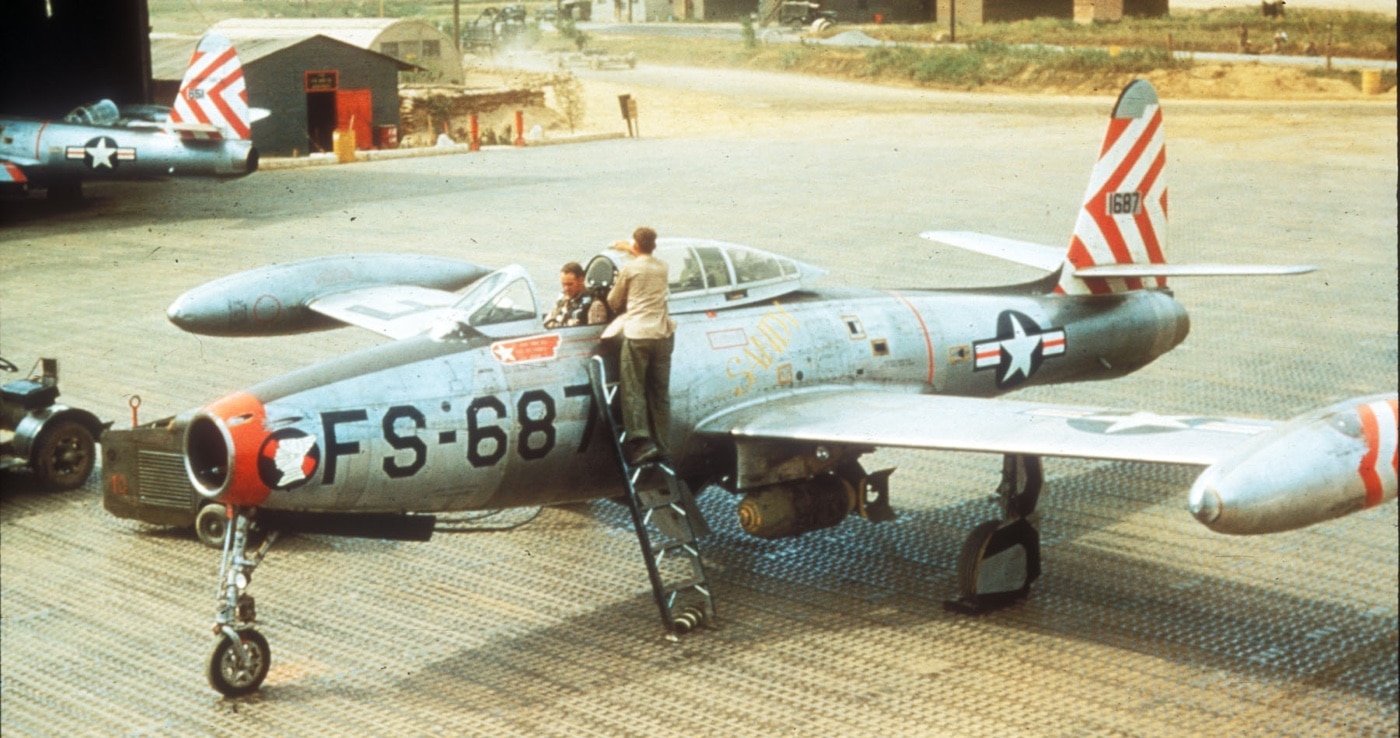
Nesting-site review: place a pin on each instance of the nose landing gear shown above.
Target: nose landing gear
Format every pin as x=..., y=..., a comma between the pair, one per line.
x=240, y=658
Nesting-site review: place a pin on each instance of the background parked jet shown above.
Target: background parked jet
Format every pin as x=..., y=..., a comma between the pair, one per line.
x=780, y=388
x=206, y=134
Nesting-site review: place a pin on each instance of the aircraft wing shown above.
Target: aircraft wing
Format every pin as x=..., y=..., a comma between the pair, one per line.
x=884, y=419
x=396, y=311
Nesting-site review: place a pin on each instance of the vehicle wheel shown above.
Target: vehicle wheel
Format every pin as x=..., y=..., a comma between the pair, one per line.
x=64, y=456
x=227, y=676
x=821, y=24
x=211, y=524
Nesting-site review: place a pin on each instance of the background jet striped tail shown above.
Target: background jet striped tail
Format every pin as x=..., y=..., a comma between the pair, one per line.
x=213, y=101
x=1123, y=219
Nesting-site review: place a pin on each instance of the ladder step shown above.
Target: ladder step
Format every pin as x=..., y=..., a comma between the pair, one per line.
x=660, y=550
x=698, y=585
x=671, y=524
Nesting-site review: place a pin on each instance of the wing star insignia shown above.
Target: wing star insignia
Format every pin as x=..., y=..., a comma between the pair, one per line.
x=1136, y=423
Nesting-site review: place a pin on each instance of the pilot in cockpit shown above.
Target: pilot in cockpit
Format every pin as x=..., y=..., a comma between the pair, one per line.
x=576, y=305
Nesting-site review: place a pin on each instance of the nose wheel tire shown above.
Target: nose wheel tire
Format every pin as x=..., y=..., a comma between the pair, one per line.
x=210, y=525
x=231, y=678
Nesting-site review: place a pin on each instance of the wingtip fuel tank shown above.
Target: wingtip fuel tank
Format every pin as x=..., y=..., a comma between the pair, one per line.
x=277, y=300
x=1317, y=467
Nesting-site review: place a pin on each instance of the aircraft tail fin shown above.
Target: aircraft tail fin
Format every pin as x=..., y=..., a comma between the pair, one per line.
x=1120, y=236
x=213, y=100
x=1123, y=219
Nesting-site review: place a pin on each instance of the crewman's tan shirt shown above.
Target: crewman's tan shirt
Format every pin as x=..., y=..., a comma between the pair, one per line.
x=641, y=291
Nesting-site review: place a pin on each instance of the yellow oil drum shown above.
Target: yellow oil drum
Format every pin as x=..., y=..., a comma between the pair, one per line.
x=1371, y=82
x=343, y=143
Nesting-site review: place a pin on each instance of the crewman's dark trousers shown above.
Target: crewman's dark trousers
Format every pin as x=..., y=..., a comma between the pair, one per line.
x=646, y=388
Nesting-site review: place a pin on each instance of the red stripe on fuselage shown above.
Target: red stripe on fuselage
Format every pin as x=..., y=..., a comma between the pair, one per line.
x=1369, y=469
x=928, y=341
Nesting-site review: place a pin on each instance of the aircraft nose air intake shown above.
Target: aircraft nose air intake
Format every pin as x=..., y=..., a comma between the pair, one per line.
x=221, y=450
x=208, y=455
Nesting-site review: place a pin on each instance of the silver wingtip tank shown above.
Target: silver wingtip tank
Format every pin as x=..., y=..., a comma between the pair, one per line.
x=1317, y=467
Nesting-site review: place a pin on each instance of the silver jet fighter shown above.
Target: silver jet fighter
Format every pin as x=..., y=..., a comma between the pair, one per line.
x=784, y=385
x=206, y=134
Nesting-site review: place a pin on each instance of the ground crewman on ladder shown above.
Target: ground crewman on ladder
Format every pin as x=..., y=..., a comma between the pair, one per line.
x=639, y=296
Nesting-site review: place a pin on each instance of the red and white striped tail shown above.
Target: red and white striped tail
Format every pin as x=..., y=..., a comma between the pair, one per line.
x=1124, y=216
x=213, y=100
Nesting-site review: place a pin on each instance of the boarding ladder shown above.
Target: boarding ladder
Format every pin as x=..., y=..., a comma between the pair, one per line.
x=666, y=519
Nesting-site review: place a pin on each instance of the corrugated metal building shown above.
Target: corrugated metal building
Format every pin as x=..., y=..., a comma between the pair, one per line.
x=414, y=41
x=311, y=85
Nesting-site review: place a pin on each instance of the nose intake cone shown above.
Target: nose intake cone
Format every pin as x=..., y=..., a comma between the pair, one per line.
x=1204, y=502
x=185, y=313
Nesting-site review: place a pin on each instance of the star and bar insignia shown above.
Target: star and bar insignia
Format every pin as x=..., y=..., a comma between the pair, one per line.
x=1018, y=349
x=101, y=153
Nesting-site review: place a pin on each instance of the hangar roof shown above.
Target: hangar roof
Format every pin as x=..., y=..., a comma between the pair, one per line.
x=170, y=54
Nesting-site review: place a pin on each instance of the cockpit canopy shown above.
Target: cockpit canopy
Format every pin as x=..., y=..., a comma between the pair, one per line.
x=100, y=113
x=711, y=275
x=501, y=303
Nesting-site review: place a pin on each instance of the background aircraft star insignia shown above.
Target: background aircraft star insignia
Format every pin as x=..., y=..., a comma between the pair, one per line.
x=102, y=152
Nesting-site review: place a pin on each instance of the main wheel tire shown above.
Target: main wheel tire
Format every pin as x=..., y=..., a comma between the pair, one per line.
x=991, y=574
x=64, y=456
x=211, y=524
x=227, y=676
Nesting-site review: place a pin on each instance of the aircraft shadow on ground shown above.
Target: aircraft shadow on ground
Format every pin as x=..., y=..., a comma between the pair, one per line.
x=898, y=574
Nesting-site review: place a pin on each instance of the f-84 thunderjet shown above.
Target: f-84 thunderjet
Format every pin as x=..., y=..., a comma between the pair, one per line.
x=206, y=133
x=784, y=386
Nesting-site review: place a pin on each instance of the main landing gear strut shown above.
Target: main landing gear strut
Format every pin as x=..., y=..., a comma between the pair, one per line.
x=1001, y=558
x=240, y=659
